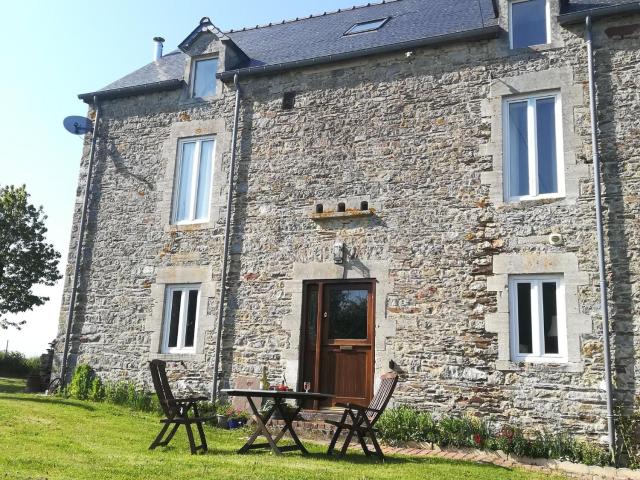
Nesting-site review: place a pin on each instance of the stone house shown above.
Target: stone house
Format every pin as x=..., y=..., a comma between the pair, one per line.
x=412, y=189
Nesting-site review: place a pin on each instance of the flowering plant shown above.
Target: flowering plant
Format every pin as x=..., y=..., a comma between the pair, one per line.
x=240, y=415
x=225, y=410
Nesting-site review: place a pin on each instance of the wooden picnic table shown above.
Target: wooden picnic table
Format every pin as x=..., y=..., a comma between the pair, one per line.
x=278, y=398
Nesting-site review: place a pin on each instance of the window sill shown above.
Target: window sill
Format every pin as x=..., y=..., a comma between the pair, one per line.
x=177, y=357
x=189, y=227
x=540, y=366
x=202, y=100
x=528, y=201
x=533, y=49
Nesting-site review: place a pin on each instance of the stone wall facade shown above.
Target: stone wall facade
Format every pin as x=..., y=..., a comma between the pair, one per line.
x=419, y=137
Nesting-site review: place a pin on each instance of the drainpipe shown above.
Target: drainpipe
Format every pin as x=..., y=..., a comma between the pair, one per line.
x=76, y=270
x=225, y=254
x=600, y=234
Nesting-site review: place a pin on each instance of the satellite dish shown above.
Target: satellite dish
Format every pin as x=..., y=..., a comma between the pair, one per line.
x=77, y=125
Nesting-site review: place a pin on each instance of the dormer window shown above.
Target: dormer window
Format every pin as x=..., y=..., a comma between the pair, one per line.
x=529, y=23
x=204, y=78
x=367, y=26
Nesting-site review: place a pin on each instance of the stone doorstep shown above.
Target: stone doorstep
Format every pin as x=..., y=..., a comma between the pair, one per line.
x=316, y=430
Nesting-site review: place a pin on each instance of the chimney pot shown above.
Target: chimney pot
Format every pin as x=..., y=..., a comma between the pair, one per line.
x=157, y=48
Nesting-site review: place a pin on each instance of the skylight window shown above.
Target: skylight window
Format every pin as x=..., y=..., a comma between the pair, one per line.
x=368, y=26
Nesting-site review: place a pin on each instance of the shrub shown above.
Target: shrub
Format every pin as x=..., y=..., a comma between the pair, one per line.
x=404, y=424
x=224, y=408
x=126, y=394
x=81, y=382
x=96, y=391
x=207, y=409
x=139, y=399
x=241, y=415
x=628, y=429
x=86, y=385
x=466, y=431
x=15, y=364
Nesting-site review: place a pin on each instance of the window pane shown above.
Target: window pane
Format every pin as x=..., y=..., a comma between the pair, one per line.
x=190, y=330
x=348, y=313
x=525, y=340
x=518, y=150
x=176, y=300
x=529, y=23
x=366, y=26
x=204, y=180
x=550, y=313
x=205, y=78
x=546, y=133
x=312, y=314
x=184, y=184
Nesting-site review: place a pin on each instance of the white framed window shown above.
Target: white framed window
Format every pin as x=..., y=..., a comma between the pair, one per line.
x=529, y=23
x=532, y=131
x=180, y=321
x=204, y=78
x=194, y=174
x=537, y=318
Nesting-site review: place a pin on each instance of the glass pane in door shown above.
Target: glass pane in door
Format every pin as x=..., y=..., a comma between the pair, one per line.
x=311, y=315
x=348, y=313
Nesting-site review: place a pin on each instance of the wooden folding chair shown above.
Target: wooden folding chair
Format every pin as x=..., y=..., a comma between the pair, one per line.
x=176, y=411
x=359, y=420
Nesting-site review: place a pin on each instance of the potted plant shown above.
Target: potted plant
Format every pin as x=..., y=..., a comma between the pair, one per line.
x=237, y=419
x=223, y=412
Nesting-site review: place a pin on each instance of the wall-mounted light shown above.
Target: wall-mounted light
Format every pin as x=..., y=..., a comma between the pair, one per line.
x=338, y=253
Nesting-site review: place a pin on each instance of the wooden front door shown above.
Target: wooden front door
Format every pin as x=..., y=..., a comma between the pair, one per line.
x=338, y=340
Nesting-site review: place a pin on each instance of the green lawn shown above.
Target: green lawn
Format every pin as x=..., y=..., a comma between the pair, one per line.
x=53, y=438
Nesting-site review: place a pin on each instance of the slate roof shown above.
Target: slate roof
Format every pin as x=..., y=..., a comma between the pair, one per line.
x=581, y=5
x=322, y=37
x=169, y=67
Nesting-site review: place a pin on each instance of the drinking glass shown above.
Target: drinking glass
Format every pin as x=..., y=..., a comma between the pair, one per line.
x=307, y=386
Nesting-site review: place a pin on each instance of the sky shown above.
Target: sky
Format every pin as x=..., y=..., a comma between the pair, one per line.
x=54, y=50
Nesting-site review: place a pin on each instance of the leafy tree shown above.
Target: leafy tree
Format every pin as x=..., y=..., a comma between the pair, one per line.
x=26, y=259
